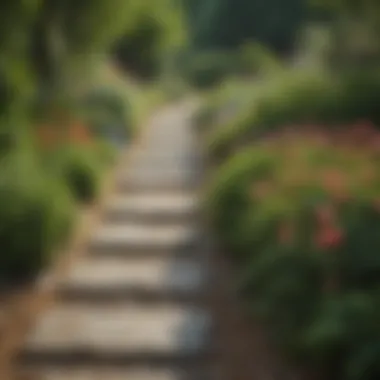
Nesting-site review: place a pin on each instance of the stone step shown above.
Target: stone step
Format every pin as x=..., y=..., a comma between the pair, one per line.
x=164, y=208
x=141, y=185
x=157, y=279
x=96, y=373
x=128, y=240
x=180, y=159
x=119, y=334
x=156, y=177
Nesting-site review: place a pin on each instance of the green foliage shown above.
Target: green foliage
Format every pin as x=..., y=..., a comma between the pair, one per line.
x=157, y=31
x=108, y=113
x=298, y=99
x=105, y=152
x=143, y=62
x=81, y=170
x=320, y=99
x=228, y=137
x=205, y=117
x=228, y=196
x=257, y=59
x=228, y=24
x=66, y=39
x=207, y=69
x=36, y=214
x=93, y=25
x=48, y=49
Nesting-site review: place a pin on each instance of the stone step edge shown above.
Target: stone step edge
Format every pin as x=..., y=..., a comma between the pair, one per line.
x=199, y=371
x=122, y=251
x=161, y=217
x=123, y=188
x=69, y=293
x=84, y=357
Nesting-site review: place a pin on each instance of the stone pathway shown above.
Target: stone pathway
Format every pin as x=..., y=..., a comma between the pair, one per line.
x=135, y=306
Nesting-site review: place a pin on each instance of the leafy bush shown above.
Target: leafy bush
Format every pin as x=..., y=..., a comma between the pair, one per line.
x=345, y=99
x=207, y=114
x=207, y=69
x=223, y=141
x=105, y=153
x=257, y=59
x=36, y=214
x=300, y=212
x=108, y=114
x=302, y=99
x=81, y=170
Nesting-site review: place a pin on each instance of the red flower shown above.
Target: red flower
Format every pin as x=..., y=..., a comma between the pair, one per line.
x=329, y=237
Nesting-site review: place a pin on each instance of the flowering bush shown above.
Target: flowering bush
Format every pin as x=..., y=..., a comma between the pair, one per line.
x=301, y=211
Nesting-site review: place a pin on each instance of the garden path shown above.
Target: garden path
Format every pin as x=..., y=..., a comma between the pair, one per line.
x=133, y=306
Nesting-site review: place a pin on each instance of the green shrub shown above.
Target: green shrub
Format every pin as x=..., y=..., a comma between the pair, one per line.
x=105, y=153
x=299, y=99
x=323, y=100
x=205, y=70
x=36, y=214
x=81, y=170
x=108, y=113
x=229, y=198
x=206, y=116
x=226, y=138
x=257, y=59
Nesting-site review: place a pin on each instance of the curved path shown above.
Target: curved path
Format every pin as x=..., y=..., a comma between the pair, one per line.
x=147, y=300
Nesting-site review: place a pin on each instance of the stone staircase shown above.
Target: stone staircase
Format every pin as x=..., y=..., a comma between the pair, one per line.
x=135, y=306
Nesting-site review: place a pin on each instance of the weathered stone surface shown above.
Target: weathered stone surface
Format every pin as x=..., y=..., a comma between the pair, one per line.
x=154, y=179
x=154, y=206
x=161, y=276
x=110, y=374
x=141, y=185
x=131, y=238
x=122, y=331
x=76, y=340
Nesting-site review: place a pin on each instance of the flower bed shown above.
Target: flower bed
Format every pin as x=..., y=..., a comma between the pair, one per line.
x=300, y=211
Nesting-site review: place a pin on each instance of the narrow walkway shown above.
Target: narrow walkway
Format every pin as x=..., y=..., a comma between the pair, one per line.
x=134, y=307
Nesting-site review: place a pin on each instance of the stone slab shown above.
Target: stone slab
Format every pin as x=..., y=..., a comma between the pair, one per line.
x=130, y=238
x=88, y=373
x=127, y=331
x=143, y=185
x=157, y=176
x=165, y=206
x=152, y=276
